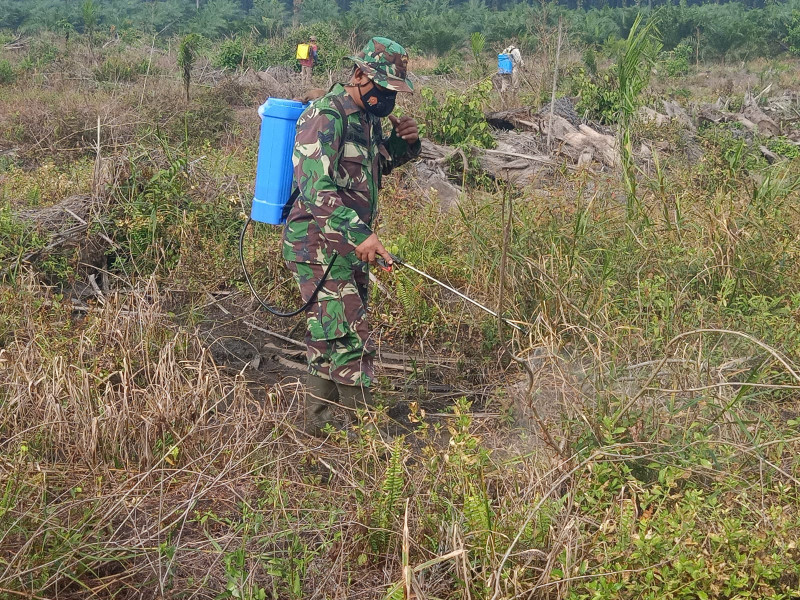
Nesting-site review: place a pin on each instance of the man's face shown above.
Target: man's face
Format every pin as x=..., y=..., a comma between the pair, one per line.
x=365, y=83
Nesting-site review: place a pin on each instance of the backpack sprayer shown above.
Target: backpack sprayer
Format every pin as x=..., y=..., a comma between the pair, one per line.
x=273, y=194
x=274, y=182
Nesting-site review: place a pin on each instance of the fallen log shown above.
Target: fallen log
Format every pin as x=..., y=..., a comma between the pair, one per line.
x=709, y=114
x=545, y=160
x=765, y=125
x=676, y=112
x=433, y=184
x=648, y=115
x=769, y=155
x=578, y=142
x=495, y=163
x=515, y=118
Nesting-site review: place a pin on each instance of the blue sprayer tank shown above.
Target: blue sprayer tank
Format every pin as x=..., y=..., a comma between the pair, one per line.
x=504, y=64
x=274, y=170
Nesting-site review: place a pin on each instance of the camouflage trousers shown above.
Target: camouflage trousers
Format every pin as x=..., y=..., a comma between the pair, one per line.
x=337, y=333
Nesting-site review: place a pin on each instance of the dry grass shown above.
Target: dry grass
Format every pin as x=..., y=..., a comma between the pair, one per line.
x=136, y=466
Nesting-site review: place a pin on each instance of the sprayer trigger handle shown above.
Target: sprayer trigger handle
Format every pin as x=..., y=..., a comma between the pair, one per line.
x=382, y=264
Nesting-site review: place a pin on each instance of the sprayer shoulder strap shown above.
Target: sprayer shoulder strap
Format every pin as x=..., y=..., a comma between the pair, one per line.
x=338, y=113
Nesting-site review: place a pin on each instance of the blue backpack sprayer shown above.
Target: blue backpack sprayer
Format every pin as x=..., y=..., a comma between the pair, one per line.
x=504, y=64
x=273, y=196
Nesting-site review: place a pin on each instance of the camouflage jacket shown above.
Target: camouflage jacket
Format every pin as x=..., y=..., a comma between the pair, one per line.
x=338, y=198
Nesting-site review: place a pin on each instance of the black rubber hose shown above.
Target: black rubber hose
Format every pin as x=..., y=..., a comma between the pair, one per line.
x=275, y=311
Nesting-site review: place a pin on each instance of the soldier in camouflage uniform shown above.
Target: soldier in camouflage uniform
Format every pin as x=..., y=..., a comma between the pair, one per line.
x=337, y=171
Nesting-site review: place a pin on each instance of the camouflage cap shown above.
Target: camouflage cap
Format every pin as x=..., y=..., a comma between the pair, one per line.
x=385, y=62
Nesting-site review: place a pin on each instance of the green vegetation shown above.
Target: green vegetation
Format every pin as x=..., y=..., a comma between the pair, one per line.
x=149, y=427
x=186, y=57
x=729, y=30
x=7, y=74
x=458, y=119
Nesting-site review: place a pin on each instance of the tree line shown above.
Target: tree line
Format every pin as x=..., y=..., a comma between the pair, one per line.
x=730, y=29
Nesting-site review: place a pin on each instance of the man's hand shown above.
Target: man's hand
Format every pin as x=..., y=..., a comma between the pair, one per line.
x=370, y=249
x=405, y=128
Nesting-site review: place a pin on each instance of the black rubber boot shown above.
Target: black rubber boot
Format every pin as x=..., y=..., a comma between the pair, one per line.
x=320, y=395
x=354, y=397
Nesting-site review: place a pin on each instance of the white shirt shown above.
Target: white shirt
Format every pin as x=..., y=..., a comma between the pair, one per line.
x=516, y=56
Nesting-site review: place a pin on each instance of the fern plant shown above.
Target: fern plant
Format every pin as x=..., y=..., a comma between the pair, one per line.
x=187, y=52
x=387, y=507
x=476, y=511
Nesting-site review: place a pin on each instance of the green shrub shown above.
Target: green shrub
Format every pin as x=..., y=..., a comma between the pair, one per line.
x=16, y=238
x=236, y=53
x=40, y=54
x=590, y=60
x=267, y=55
x=792, y=38
x=783, y=147
x=450, y=64
x=676, y=62
x=206, y=119
x=116, y=69
x=230, y=54
x=459, y=119
x=148, y=218
x=598, y=97
x=731, y=153
x=7, y=73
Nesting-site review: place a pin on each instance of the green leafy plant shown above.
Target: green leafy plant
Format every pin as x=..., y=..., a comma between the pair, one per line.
x=16, y=237
x=449, y=64
x=238, y=584
x=148, y=219
x=7, y=73
x=40, y=54
x=116, y=70
x=231, y=54
x=784, y=147
x=598, y=97
x=459, y=119
x=676, y=62
x=386, y=509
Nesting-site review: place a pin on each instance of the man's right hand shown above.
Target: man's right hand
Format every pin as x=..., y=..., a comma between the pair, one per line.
x=371, y=248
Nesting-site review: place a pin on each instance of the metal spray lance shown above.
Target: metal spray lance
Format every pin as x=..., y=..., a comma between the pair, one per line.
x=399, y=261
